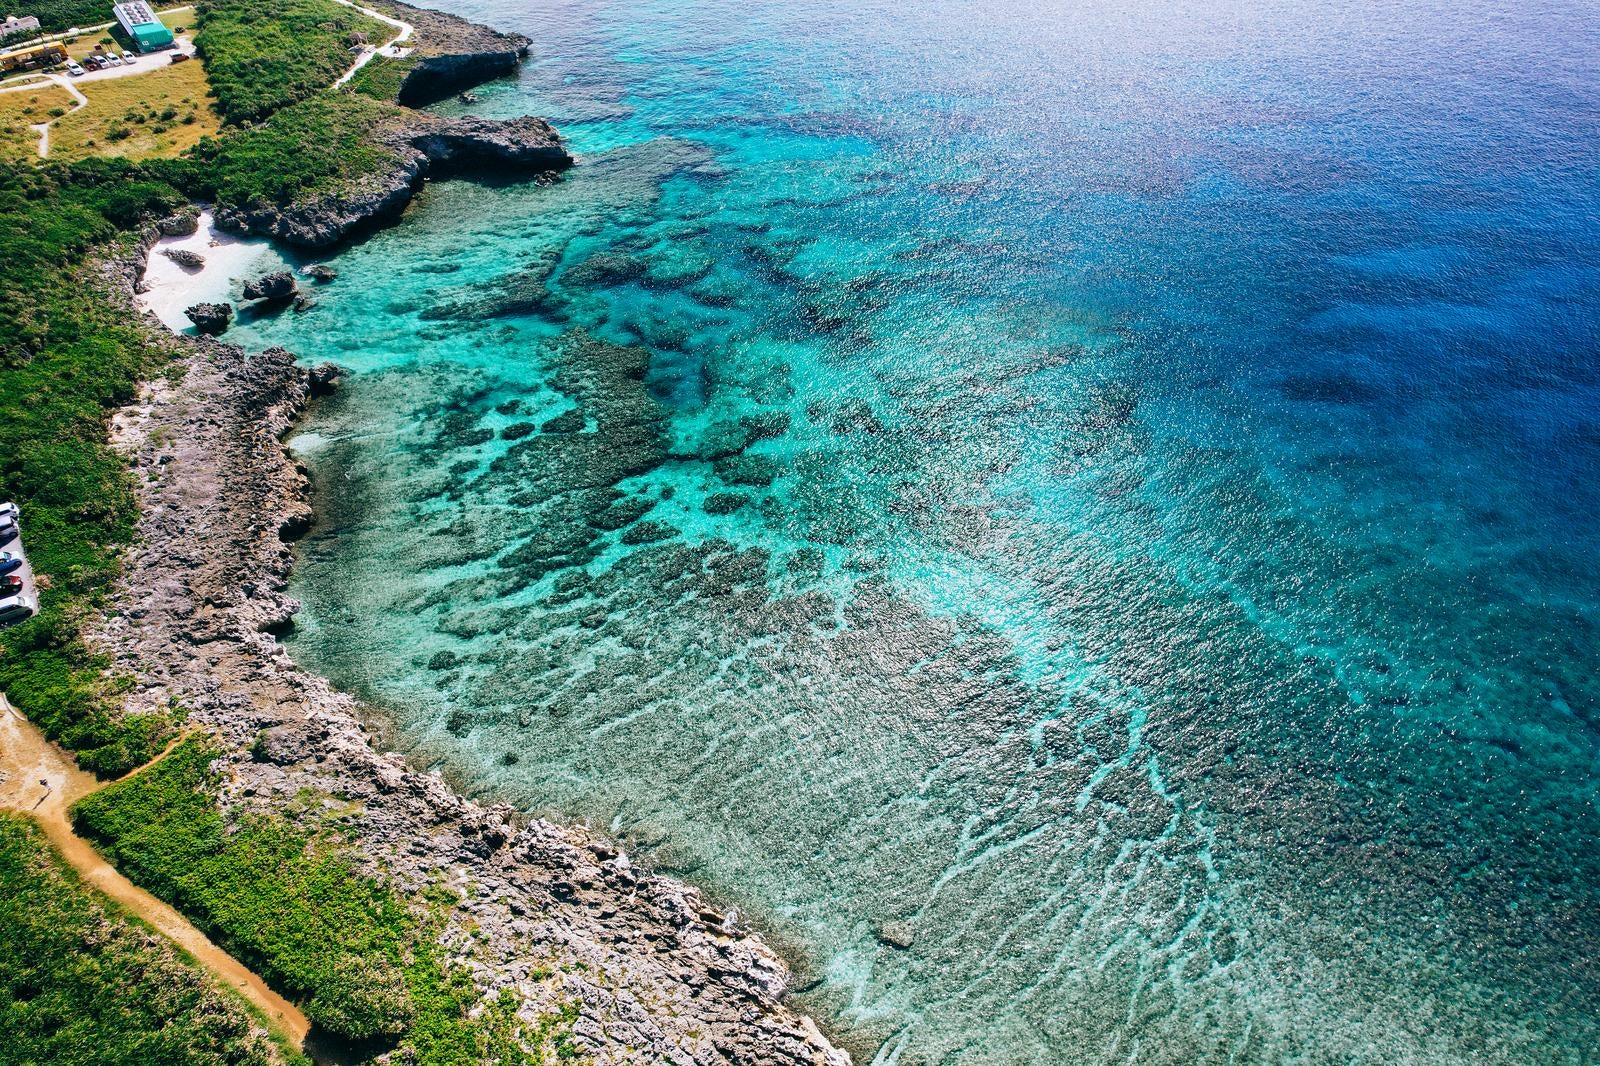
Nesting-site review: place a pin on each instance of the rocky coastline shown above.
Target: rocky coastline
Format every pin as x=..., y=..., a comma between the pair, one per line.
x=452, y=54
x=555, y=914
x=421, y=145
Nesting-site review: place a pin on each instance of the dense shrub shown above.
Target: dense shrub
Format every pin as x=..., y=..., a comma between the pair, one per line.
x=297, y=913
x=381, y=79
x=261, y=55
x=66, y=359
x=308, y=146
x=56, y=15
x=81, y=984
x=291, y=905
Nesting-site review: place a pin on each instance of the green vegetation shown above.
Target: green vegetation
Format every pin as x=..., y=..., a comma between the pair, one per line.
x=262, y=55
x=381, y=78
x=55, y=15
x=81, y=983
x=67, y=359
x=290, y=904
x=303, y=148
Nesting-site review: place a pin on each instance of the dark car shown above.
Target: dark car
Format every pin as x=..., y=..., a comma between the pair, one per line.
x=10, y=585
x=9, y=563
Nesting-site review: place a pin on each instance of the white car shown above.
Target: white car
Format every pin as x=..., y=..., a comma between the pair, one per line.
x=113, y=60
x=127, y=57
x=15, y=609
x=73, y=68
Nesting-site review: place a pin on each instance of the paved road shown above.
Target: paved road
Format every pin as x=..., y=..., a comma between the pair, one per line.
x=30, y=589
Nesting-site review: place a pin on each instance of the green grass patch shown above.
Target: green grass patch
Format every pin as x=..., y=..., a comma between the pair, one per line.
x=262, y=55
x=67, y=359
x=304, y=148
x=81, y=983
x=382, y=77
x=290, y=904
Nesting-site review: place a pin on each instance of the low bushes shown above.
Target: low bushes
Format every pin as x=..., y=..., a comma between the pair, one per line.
x=80, y=983
x=308, y=146
x=363, y=965
x=262, y=55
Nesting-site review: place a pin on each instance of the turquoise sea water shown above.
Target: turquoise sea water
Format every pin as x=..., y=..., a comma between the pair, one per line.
x=1106, y=491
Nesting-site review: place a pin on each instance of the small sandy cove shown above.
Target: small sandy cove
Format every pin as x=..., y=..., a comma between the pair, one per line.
x=169, y=288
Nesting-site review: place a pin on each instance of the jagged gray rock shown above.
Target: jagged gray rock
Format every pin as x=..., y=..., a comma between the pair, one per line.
x=210, y=318
x=279, y=285
x=185, y=258
x=180, y=223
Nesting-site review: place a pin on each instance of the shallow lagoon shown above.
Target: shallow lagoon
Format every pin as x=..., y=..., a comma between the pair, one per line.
x=1105, y=497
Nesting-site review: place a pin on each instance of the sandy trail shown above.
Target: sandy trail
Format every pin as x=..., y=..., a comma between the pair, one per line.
x=38, y=780
x=392, y=49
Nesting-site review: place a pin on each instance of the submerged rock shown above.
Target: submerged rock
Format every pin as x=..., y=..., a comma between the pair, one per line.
x=898, y=935
x=210, y=318
x=319, y=272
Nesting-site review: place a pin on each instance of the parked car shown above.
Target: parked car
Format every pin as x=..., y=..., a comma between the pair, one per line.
x=74, y=68
x=128, y=57
x=9, y=509
x=9, y=563
x=113, y=60
x=14, y=610
x=180, y=57
x=11, y=585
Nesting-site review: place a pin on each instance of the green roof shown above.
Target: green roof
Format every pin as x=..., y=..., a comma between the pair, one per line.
x=151, y=35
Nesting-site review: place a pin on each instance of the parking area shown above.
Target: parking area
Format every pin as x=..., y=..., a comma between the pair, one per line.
x=19, y=593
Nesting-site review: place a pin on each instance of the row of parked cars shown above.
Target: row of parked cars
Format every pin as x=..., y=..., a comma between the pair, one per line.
x=15, y=603
x=99, y=61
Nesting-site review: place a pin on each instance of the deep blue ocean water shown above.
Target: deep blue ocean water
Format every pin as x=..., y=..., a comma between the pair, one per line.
x=1104, y=491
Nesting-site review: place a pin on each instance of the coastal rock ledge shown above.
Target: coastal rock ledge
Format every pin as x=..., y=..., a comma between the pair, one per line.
x=557, y=916
x=420, y=146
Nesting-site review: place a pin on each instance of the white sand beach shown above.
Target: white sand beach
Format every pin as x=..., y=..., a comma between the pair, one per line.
x=169, y=288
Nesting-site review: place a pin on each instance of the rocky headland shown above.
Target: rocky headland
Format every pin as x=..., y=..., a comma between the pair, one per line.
x=417, y=146
x=452, y=54
x=408, y=146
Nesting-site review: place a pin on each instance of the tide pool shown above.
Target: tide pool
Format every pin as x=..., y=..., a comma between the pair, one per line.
x=1078, y=521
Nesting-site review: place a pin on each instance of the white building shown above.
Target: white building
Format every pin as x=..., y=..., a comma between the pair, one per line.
x=13, y=25
x=148, y=32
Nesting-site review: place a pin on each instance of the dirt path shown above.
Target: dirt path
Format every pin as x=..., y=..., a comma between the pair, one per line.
x=38, y=780
x=392, y=49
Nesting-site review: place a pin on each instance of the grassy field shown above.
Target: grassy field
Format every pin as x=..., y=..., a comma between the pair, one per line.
x=158, y=114
x=82, y=983
x=19, y=110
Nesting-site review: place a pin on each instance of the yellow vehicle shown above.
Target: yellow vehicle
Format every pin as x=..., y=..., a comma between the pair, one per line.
x=41, y=55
